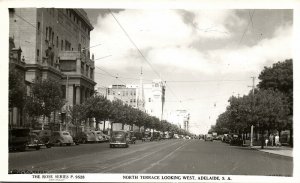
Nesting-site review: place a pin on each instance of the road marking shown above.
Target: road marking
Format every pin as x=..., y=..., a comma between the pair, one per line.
x=164, y=158
x=134, y=160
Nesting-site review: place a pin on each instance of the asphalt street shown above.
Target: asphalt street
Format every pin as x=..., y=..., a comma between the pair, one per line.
x=167, y=156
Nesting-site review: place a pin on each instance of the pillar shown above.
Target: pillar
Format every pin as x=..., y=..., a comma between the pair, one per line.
x=70, y=93
x=77, y=94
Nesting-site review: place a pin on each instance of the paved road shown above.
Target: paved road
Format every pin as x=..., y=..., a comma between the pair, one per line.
x=167, y=156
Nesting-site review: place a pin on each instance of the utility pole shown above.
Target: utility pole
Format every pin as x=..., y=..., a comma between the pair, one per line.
x=253, y=87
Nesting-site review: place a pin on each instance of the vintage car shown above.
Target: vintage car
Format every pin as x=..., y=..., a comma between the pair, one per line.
x=101, y=137
x=208, y=137
x=132, y=137
x=44, y=136
x=34, y=142
x=61, y=137
x=236, y=140
x=119, y=139
x=86, y=137
x=156, y=136
x=18, y=139
x=147, y=137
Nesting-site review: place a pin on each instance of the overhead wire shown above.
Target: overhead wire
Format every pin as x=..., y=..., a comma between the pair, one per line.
x=250, y=20
x=151, y=66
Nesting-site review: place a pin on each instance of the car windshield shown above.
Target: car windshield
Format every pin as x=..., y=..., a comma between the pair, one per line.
x=118, y=134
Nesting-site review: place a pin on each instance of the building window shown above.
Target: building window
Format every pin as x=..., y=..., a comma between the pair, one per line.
x=63, y=89
x=56, y=41
x=46, y=33
x=52, y=37
x=79, y=47
x=37, y=52
x=67, y=45
x=149, y=100
x=91, y=73
x=38, y=27
x=62, y=45
x=82, y=68
x=134, y=100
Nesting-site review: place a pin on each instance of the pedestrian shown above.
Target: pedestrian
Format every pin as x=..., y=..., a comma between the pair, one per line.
x=277, y=143
x=271, y=139
x=266, y=141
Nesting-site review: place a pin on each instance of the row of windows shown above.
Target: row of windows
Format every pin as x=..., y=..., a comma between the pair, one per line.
x=76, y=19
x=124, y=93
x=73, y=16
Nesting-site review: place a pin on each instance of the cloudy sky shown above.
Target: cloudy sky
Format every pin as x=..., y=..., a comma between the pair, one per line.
x=205, y=56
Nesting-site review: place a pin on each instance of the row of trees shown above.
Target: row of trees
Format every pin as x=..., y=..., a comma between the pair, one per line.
x=46, y=98
x=267, y=108
x=116, y=111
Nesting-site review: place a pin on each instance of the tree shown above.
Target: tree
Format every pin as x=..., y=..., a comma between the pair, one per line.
x=46, y=97
x=17, y=90
x=98, y=107
x=78, y=113
x=279, y=77
x=270, y=111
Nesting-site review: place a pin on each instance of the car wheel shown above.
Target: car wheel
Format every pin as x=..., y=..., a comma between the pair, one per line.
x=37, y=147
x=68, y=144
x=59, y=143
x=48, y=145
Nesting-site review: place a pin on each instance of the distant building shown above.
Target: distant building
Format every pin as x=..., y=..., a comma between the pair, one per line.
x=125, y=93
x=181, y=118
x=155, y=98
x=55, y=45
x=103, y=91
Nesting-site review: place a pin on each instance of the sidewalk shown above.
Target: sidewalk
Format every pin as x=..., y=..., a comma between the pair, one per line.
x=283, y=150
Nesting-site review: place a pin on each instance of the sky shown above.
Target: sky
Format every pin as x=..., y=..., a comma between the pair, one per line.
x=204, y=55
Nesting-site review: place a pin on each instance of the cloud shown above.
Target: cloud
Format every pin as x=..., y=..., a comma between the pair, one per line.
x=252, y=59
x=215, y=24
x=165, y=37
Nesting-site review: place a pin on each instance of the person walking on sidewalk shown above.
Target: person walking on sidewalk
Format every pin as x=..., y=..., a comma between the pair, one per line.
x=277, y=143
x=271, y=138
x=266, y=141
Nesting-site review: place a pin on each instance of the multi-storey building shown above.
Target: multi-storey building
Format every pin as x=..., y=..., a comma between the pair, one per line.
x=55, y=45
x=17, y=69
x=155, y=98
x=181, y=118
x=125, y=93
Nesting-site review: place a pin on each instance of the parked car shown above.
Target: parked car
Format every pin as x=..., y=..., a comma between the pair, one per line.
x=156, y=136
x=61, y=137
x=44, y=136
x=208, y=137
x=138, y=135
x=132, y=137
x=85, y=137
x=34, y=142
x=147, y=137
x=119, y=139
x=236, y=140
x=18, y=139
x=100, y=136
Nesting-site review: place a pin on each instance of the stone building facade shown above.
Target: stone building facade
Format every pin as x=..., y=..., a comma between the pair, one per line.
x=55, y=45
